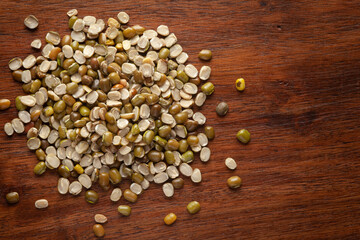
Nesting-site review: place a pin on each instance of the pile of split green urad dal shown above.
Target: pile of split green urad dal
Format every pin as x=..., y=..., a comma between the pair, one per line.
x=109, y=102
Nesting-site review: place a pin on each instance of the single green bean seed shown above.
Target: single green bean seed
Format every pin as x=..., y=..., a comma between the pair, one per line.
x=181, y=75
x=151, y=99
x=164, y=131
x=72, y=20
x=137, y=100
x=234, y=182
x=135, y=130
x=209, y=132
x=98, y=230
x=62, y=132
x=222, y=109
x=130, y=137
x=148, y=136
x=154, y=156
x=12, y=197
x=193, y=207
x=169, y=157
x=158, y=123
x=19, y=105
x=243, y=136
x=127, y=172
x=128, y=108
x=114, y=78
x=84, y=111
x=48, y=111
x=59, y=106
x=137, y=177
x=192, y=140
x=81, y=47
x=164, y=53
x=183, y=145
x=63, y=171
x=188, y=156
x=104, y=180
x=40, y=154
x=139, y=152
x=175, y=109
x=170, y=218
x=129, y=32
x=161, y=141
x=35, y=86
x=73, y=68
x=178, y=183
x=240, y=84
x=40, y=168
x=71, y=87
x=205, y=54
x=80, y=123
x=110, y=118
x=108, y=138
x=91, y=196
x=172, y=145
x=208, y=88
x=125, y=210
x=115, y=177
x=130, y=196
x=181, y=117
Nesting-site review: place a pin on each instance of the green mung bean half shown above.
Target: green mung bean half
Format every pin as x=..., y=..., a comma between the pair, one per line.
x=243, y=136
x=12, y=197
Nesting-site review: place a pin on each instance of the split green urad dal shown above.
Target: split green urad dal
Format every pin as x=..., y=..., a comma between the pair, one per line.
x=111, y=102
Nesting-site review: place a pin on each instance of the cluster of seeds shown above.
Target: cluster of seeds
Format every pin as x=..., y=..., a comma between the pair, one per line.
x=110, y=102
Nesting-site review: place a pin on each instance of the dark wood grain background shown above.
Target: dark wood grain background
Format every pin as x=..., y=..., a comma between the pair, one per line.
x=301, y=171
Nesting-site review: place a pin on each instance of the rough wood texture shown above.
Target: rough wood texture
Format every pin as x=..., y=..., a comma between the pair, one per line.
x=301, y=171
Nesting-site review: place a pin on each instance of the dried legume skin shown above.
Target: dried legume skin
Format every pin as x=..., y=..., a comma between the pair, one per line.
x=125, y=210
x=193, y=207
x=12, y=197
x=98, y=230
x=243, y=136
x=170, y=218
x=234, y=182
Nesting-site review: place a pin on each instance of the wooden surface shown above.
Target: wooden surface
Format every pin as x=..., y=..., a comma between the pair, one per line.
x=301, y=171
